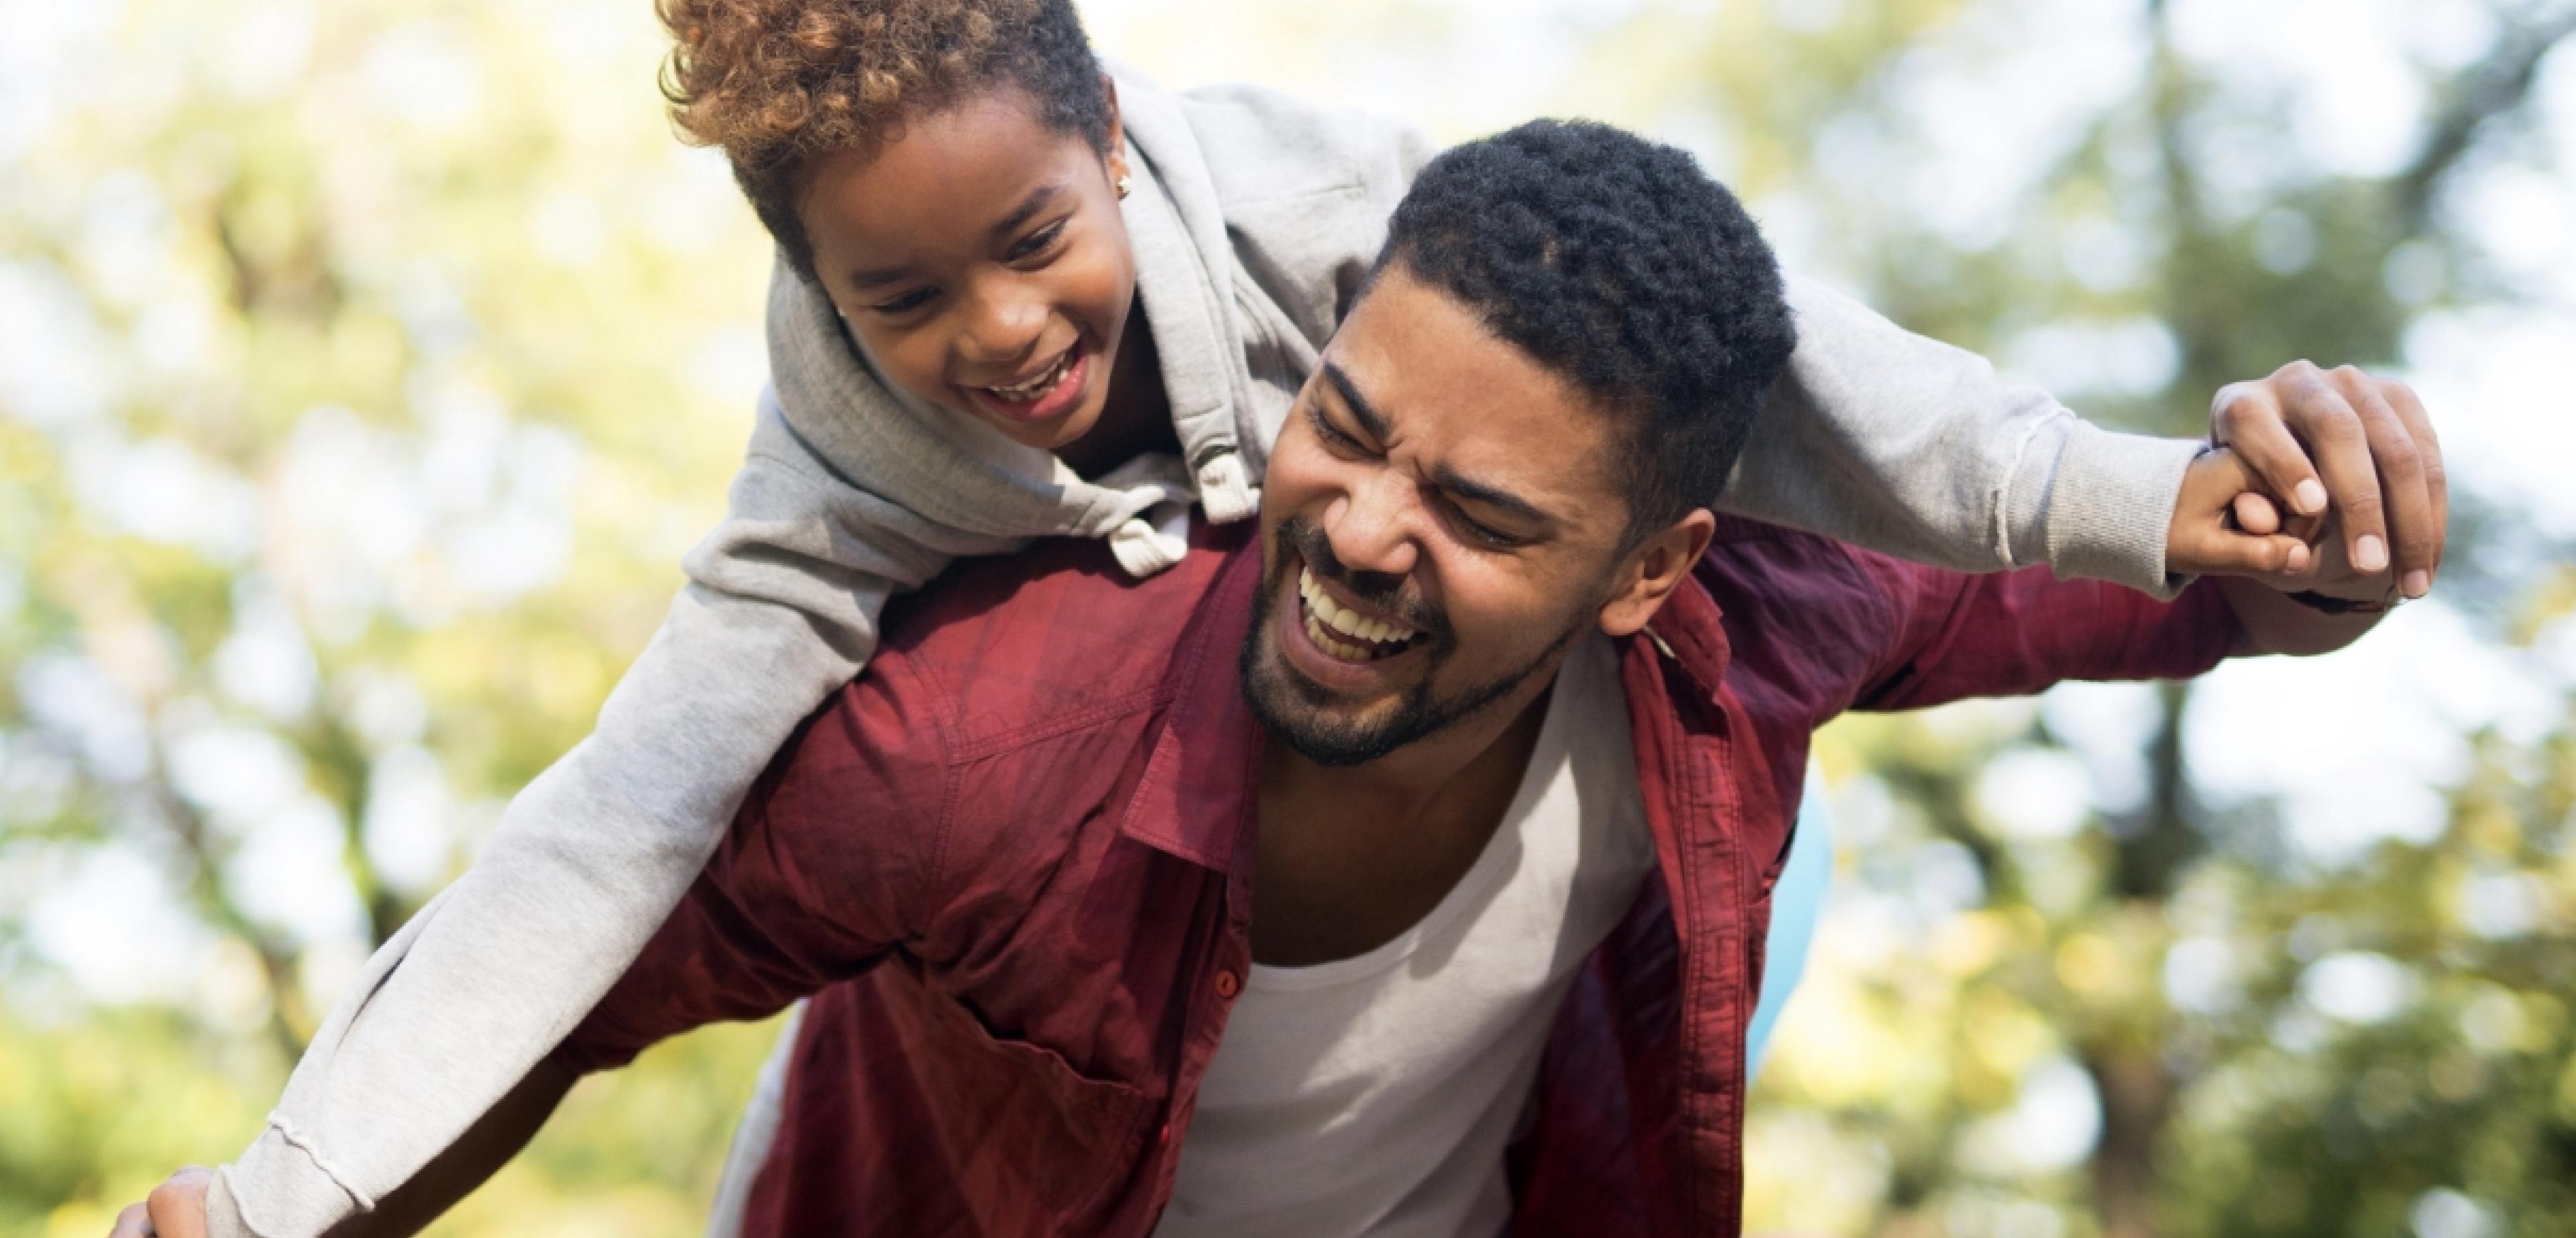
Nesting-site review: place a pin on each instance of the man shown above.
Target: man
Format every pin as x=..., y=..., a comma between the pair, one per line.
x=1403, y=870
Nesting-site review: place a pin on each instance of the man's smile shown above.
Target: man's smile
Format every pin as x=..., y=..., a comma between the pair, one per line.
x=1342, y=645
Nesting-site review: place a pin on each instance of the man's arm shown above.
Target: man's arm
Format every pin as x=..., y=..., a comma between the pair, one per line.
x=1951, y=636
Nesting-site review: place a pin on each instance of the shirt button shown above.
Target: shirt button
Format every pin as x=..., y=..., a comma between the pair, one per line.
x=1228, y=984
x=1164, y=1135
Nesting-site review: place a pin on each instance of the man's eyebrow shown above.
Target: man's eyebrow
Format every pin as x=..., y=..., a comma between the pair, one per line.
x=1370, y=419
x=1485, y=495
x=1468, y=488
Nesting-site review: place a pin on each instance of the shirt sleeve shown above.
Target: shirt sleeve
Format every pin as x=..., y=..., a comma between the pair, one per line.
x=1910, y=447
x=1953, y=636
x=822, y=877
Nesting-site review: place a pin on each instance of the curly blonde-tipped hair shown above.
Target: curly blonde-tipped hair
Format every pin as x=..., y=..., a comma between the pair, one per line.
x=778, y=84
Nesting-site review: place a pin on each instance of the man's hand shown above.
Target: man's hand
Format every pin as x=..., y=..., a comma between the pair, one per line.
x=177, y=1208
x=2344, y=442
x=2218, y=495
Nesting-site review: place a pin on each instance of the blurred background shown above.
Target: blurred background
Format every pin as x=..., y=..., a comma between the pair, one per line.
x=366, y=368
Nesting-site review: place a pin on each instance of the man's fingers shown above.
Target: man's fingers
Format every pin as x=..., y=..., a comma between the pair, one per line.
x=134, y=1222
x=2437, y=481
x=2413, y=531
x=2247, y=419
x=2320, y=414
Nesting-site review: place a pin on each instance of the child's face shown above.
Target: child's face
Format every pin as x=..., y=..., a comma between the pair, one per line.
x=981, y=259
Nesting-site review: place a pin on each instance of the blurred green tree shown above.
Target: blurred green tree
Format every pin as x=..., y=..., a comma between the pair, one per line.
x=2099, y=198
x=367, y=367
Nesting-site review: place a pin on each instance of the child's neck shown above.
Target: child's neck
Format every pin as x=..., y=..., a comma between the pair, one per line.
x=1138, y=418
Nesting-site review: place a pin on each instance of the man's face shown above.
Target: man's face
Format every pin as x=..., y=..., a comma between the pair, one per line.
x=1439, y=521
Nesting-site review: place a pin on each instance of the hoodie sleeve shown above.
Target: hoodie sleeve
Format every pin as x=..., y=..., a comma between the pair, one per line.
x=780, y=608
x=1908, y=446
x=1874, y=435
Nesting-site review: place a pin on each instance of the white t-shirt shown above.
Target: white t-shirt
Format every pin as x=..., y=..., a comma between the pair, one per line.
x=1375, y=1095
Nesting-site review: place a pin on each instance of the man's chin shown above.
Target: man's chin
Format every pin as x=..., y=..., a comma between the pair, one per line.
x=1316, y=722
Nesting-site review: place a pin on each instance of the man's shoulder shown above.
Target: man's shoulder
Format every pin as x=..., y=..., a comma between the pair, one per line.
x=1805, y=616
x=1012, y=643
x=1763, y=568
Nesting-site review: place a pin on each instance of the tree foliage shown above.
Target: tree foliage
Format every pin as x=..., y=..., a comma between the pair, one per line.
x=365, y=368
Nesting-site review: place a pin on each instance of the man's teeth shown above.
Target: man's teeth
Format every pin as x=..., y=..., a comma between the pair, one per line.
x=1342, y=632
x=1037, y=386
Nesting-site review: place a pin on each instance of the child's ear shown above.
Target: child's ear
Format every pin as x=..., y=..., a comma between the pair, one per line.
x=1117, y=132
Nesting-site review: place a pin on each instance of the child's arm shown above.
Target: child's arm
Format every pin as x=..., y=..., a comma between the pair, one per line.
x=1875, y=435
x=1910, y=447
x=780, y=609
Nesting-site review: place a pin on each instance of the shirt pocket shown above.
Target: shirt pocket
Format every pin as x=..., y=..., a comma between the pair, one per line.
x=1039, y=1144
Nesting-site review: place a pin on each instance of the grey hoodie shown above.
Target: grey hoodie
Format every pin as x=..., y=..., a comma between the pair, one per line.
x=1254, y=219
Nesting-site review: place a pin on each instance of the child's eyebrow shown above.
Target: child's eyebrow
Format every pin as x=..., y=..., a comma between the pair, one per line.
x=1028, y=208
x=1038, y=200
x=876, y=278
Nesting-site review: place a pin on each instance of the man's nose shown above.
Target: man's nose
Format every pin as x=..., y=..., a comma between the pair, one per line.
x=1374, y=527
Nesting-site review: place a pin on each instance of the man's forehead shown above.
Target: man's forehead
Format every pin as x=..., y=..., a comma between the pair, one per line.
x=1447, y=385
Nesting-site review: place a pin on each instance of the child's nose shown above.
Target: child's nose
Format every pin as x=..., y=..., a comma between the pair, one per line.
x=1003, y=329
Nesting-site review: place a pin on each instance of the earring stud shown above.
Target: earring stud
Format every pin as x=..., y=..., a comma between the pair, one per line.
x=1125, y=183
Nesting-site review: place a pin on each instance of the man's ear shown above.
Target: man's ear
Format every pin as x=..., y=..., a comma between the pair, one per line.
x=1653, y=570
x=1117, y=130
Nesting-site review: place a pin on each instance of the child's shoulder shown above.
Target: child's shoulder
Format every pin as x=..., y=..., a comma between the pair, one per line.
x=1262, y=144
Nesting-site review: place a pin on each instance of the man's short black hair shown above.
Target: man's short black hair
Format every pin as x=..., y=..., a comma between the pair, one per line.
x=1616, y=262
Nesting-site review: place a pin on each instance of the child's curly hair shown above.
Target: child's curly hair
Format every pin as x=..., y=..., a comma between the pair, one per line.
x=781, y=83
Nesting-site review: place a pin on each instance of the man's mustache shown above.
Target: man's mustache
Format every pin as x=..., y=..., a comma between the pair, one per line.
x=1381, y=590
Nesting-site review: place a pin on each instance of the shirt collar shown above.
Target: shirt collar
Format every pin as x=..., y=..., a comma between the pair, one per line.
x=1689, y=630
x=1198, y=798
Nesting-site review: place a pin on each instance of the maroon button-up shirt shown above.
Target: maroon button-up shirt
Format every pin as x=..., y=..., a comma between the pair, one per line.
x=1012, y=866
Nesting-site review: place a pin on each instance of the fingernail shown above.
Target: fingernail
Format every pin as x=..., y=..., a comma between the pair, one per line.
x=2299, y=558
x=2311, y=497
x=2418, y=583
x=2370, y=554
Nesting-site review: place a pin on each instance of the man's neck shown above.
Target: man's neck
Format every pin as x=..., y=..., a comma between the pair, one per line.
x=1351, y=856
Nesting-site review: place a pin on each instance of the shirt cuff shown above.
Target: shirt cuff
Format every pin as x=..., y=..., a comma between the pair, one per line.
x=2111, y=505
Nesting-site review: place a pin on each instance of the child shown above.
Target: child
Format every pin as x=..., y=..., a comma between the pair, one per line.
x=970, y=217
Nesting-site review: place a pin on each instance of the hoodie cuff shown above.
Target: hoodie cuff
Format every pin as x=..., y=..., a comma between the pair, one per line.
x=223, y=1212
x=298, y=1198
x=2111, y=505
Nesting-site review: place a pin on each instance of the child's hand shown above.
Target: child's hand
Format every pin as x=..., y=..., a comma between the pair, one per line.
x=2223, y=525
x=177, y=1208
x=2344, y=442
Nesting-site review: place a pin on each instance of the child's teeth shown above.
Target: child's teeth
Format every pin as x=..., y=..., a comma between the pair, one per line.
x=1037, y=386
